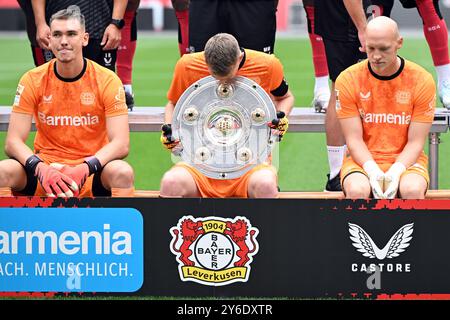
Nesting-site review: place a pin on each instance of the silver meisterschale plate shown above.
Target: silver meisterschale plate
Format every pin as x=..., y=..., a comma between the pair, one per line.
x=222, y=127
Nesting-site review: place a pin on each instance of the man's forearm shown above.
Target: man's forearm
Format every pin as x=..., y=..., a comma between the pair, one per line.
x=114, y=150
x=39, y=12
x=356, y=11
x=410, y=154
x=17, y=149
x=285, y=103
x=119, y=9
x=359, y=151
x=168, y=112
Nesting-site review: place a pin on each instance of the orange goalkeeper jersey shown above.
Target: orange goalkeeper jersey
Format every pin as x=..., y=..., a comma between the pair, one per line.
x=264, y=69
x=386, y=105
x=70, y=114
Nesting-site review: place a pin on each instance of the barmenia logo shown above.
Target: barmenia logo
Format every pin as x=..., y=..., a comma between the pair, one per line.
x=69, y=242
x=396, y=245
x=214, y=251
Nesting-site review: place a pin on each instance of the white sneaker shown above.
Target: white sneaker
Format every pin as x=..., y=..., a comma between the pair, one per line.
x=321, y=99
x=444, y=93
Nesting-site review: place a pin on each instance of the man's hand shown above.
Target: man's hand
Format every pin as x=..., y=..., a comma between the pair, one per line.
x=166, y=137
x=43, y=36
x=376, y=178
x=280, y=124
x=111, y=38
x=54, y=181
x=78, y=173
x=392, y=180
x=362, y=40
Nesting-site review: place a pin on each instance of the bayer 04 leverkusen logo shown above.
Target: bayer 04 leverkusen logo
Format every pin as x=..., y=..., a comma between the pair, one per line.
x=214, y=251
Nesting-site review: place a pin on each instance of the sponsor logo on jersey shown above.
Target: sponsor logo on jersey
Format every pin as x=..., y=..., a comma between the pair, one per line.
x=47, y=99
x=362, y=113
x=365, y=96
x=87, y=98
x=394, y=247
x=75, y=121
x=214, y=251
x=401, y=119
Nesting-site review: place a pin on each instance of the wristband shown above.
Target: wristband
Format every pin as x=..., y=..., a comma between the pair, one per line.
x=31, y=164
x=93, y=164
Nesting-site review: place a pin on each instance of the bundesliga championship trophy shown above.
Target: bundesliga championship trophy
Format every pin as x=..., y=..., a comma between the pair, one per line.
x=222, y=127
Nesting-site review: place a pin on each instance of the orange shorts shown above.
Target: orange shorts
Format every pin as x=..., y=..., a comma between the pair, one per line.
x=420, y=167
x=228, y=188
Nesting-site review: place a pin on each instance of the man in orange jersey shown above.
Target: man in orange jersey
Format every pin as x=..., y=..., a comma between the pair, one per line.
x=224, y=59
x=386, y=107
x=81, y=120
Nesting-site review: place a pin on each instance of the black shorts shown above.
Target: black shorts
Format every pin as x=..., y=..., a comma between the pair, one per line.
x=341, y=55
x=408, y=3
x=98, y=190
x=253, y=23
x=94, y=52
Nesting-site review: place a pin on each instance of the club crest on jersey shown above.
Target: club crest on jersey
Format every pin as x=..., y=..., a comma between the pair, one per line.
x=87, y=98
x=403, y=97
x=214, y=251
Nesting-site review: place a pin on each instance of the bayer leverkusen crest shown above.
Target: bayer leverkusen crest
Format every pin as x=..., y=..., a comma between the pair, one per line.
x=214, y=251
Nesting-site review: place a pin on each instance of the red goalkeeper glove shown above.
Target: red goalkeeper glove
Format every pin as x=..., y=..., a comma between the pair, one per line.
x=54, y=181
x=78, y=173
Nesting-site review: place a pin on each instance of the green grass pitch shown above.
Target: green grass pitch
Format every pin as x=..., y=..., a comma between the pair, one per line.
x=303, y=163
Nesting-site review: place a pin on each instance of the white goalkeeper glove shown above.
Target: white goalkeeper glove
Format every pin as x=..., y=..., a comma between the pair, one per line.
x=392, y=180
x=376, y=178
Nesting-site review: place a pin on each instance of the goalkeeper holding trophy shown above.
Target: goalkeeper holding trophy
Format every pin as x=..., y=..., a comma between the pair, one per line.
x=386, y=106
x=224, y=60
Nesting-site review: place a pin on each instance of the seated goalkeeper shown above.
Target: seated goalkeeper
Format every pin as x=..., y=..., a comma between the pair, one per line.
x=81, y=120
x=224, y=59
x=386, y=107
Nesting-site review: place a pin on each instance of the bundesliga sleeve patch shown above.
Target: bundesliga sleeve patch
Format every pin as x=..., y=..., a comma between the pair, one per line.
x=19, y=91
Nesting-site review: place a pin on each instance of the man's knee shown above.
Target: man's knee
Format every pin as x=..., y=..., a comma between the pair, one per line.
x=263, y=184
x=357, y=186
x=12, y=174
x=177, y=182
x=357, y=192
x=119, y=173
x=412, y=191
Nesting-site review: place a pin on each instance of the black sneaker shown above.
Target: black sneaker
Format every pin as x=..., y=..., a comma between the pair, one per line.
x=333, y=184
x=129, y=100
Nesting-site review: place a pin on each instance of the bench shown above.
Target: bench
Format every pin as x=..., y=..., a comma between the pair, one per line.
x=145, y=119
x=431, y=194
